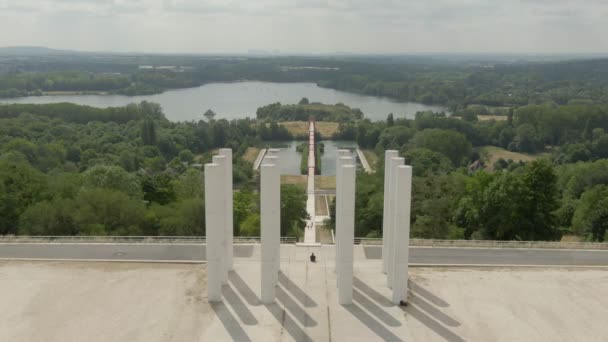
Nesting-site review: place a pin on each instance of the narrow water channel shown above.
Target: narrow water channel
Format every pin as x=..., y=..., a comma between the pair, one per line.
x=291, y=159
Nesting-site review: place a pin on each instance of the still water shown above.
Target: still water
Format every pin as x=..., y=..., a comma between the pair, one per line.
x=241, y=99
x=290, y=159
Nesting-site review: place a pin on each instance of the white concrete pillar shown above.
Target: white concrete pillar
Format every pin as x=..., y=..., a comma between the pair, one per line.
x=344, y=158
x=401, y=237
x=392, y=218
x=214, y=215
x=274, y=160
x=388, y=155
x=227, y=153
x=221, y=197
x=270, y=221
x=347, y=237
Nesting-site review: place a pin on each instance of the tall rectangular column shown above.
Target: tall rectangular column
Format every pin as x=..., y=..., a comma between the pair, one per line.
x=270, y=220
x=401, y=238
x=344, y=158
x=347, y=237
x=392, y=217
x=388, y=155
x=274, y=160
x=213, y=223
x=221, y=198
x=227, y=153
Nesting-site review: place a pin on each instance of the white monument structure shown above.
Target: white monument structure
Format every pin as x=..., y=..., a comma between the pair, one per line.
x=345, y=225
x=392, y=219
x=214, y=216
x=401, y=233
x=395, y=227
x=227, y=153
x=270, y=220
x=388, y=155
x=343, y=159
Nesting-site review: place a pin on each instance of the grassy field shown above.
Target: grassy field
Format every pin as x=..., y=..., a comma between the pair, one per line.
x=492, y=117
x=299, y=180
x=325, y=182
x=300, y=128
x=491, y=154
x=321, y=182
x=251, y=154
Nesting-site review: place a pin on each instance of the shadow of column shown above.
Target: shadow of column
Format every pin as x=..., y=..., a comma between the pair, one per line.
x=297, y=292
x=432, y=324
x=238, y=306
x=371, y=323
x=426, y=294
x=241, y=286
x=425, y=307
x=232, y=326
x=293, y=307
x=374, y=309
x=288, y=323
x=373, y=294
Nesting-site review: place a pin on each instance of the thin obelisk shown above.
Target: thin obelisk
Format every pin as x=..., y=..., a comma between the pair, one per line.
x=220, y=197
x=392, y=217
x=388, y=155
x=343, y=159
x=270, y=209
x=227, y=153
x=213, y=223
x=346, y=212
x=401, y=238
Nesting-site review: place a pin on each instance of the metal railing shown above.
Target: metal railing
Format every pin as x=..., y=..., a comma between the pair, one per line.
x=128, y=239
x=492, y=243
x=292, y=240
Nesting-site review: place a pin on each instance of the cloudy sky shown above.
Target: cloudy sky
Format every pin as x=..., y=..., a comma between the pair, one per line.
x=308, y=26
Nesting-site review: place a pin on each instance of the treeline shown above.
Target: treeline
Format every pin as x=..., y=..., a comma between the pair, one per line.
x=431, y=81
x=101, y=174
x=453, y=197
x=304, y=111
x=140, y=82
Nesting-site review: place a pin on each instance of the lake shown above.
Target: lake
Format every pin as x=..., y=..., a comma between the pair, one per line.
x=240, y=100
x=290, y=159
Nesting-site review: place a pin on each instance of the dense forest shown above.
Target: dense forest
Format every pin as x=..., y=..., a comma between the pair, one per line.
x=67, y=169
x=559, y=193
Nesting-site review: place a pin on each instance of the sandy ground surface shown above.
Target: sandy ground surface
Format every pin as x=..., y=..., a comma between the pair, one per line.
x=53, y=301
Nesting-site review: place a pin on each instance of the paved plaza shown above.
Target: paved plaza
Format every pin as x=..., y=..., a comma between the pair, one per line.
x=114, y=301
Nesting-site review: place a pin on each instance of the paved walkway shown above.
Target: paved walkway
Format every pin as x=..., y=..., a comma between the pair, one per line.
x=363, y=160
x=310, y=236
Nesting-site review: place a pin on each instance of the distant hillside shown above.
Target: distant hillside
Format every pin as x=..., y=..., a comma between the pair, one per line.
x=32, y=51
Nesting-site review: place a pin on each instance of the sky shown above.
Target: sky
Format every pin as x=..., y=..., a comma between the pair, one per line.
x=308, y=26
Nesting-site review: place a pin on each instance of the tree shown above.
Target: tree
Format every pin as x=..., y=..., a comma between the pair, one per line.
x=107, y=212
x=293, y=208
x=148, y=132
x=390, y=121
x=209, y=114
x=20, y=186
x=303, y=101
x=49, y=218
x=112, y=177
x=591, y=216
x=426, y=162
x=452, y=144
